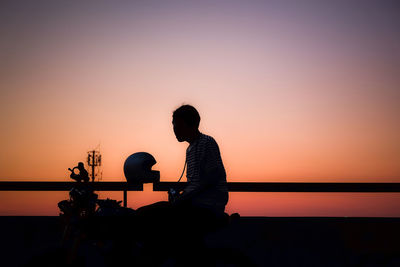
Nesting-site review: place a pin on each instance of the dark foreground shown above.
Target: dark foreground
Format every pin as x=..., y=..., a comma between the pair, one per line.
x=265, y=241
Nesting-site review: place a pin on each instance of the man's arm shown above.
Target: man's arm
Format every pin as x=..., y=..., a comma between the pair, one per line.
x=208, y=180
x=210, y=172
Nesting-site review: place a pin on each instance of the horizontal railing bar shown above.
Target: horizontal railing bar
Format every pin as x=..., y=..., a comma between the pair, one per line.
x=66, y=186
x=232, y=186
x=294, y=187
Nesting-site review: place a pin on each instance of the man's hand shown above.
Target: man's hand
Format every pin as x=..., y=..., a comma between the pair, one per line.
x=175, y=197
x=172, y=195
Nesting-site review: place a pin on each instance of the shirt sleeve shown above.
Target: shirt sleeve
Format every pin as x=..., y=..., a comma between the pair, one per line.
x=212, y=162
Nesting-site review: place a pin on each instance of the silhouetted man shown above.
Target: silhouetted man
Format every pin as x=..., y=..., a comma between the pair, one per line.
x=206, y=176
x=188, y=215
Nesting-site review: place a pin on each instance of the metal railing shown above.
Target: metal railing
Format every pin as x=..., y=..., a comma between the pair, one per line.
x=232, y=187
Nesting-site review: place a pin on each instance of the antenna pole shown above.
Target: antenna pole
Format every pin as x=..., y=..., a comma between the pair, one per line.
x=94, y=160
x=93, y=165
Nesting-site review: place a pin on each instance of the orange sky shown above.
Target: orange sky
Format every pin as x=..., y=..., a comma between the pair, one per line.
x=289, y=93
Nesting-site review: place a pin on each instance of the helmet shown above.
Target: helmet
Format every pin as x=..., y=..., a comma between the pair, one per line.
x=137, y=168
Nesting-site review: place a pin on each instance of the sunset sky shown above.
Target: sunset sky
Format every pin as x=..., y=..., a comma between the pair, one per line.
x=292, y=91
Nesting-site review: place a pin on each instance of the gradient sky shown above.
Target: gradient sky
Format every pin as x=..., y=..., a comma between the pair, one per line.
x=291, y=90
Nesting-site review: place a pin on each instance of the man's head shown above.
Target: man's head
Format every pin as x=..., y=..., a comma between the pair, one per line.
x=185, y=120
x=80, y=165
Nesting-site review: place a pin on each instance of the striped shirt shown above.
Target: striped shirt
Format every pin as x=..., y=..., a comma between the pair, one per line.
x=206, y=175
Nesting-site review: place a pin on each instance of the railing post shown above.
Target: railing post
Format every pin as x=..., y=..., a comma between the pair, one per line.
x=125, y=198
